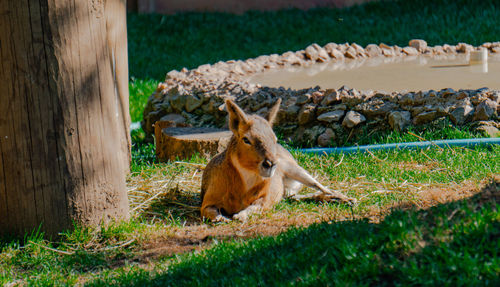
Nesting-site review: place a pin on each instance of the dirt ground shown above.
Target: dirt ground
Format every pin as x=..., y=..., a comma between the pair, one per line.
x=197, y=235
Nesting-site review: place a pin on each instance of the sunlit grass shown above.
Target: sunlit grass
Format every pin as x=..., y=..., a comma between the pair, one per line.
x=449, y=244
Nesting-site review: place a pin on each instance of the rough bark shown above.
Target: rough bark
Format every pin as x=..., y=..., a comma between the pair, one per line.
x=64, y=122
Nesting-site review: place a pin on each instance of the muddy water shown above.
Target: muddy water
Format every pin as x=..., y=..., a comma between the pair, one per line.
x=389, y=74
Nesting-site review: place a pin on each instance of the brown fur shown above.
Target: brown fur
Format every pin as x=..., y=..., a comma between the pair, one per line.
x=237, y=182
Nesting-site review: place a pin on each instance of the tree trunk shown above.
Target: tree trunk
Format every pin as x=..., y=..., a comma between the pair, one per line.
x=64, y=121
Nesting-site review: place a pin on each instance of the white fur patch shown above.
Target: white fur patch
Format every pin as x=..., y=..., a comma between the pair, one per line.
x=250, y=178
x=292, y=187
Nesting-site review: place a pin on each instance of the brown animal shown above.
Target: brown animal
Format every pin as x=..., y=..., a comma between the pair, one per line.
x=254, y=172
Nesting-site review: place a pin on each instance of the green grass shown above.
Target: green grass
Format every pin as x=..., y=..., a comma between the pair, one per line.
x=158, y=44
x=140, y=90
x=450, y=244
x=449, y=164
x=422, y=248
x=143, y=152
x=455, y=242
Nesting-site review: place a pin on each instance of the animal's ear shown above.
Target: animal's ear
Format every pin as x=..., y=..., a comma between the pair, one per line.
x=274, y=111
x=236, y=116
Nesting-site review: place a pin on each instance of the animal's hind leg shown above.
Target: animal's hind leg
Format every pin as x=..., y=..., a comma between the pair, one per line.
x=294, y=171
x=322, y=196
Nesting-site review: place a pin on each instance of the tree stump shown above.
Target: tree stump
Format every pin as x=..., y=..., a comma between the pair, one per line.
x=184, y=142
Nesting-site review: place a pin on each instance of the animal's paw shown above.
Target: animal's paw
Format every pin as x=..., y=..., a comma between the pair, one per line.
x=241, y=216
x=350, y=201
x=335, y=196
x=221, y=218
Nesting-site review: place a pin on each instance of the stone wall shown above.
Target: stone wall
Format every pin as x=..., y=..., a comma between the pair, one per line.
x=317, y=116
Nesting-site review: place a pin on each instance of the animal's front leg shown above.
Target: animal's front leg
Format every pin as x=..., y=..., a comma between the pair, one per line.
x=213, y=213
x=254, y=208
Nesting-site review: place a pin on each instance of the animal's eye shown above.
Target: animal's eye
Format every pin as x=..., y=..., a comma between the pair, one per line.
x=246, y=140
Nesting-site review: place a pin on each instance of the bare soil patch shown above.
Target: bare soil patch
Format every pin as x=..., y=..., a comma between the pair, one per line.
x=179, y=198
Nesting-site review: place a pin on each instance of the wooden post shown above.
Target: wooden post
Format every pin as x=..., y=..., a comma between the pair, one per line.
x=64, y=121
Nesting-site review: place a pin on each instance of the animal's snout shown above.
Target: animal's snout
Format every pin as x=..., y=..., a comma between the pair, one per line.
x=267, y=164
x=267, y=168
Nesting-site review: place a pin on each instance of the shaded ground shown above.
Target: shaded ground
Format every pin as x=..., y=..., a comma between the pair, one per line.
x=192, y=234
x=451, y=243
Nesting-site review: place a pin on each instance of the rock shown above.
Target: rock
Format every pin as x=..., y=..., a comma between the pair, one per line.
x=326, y=138
x=446, y=92
x=331, y=96
x=388, y=52
x=461, y=95
x=192, y=103
x=322, y=54
x=495, y=96
x=329, y=117
x=306, y=114
x=303, y=99
x=336, y=54
x=350, y=53
x=311, y=53
x=351, y=99
x=425, y=117
x=449, y=49
x=377, y=107
x=176, y=119
x=177, y=101
x=198, y=94
x=485, y=110
x=398, y=50
x=330, y=47
x=174, y=74
x=491, y=131
x=301, y=54
x=461, y=112
x=317, y=97
x=290, y=57
x=183, y=143
x=399, y=120
x=419, y=44
x=373, y=50
x=288, y=114
x=359, y=50
x=464, y=48
x=339, y=107
x=410, y=51
x=263, y=112
x=149, y=121
x=487, y=45
x=353, y=119
x=407, y=99
x=384, y=46
x=308, y=135
x=438, y=50
x=237, y=69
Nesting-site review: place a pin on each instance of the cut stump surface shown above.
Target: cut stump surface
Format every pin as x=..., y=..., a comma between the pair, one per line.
x=183, y=142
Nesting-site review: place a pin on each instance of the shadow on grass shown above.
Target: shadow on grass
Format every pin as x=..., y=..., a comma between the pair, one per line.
x=178, y=205
x=453, y=243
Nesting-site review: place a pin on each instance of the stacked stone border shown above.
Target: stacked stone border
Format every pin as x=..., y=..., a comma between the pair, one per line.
x=317, y=116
